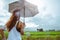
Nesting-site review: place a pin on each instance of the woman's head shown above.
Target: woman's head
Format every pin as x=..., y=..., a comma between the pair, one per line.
x=12, y=21
x=17, y=14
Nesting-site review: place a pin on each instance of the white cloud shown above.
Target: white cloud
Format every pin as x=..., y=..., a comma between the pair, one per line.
x=4, y=14
x=1, y=4
x=28, y=19
x=31, y=24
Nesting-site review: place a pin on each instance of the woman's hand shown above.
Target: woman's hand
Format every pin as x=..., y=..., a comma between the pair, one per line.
x=22, y=31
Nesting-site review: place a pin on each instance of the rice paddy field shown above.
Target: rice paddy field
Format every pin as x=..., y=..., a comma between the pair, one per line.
x=52, y=35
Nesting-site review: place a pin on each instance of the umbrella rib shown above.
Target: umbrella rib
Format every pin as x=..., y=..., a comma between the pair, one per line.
x=29, y=9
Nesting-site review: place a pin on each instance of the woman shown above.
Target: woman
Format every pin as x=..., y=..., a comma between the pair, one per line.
x=15, y=27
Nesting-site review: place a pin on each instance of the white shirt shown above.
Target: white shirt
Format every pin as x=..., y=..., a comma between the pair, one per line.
x=14, y=34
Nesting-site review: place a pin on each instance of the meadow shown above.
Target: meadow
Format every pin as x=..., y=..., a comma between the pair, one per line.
x=52, y=35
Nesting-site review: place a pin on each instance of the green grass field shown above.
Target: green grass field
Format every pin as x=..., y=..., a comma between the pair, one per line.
x=40, y=36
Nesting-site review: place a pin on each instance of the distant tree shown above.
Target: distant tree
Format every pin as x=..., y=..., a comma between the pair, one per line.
x=52, y=30
x=40, y=30
x=58, y=30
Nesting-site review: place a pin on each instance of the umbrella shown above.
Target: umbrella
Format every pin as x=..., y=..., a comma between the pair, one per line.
x=26, y=9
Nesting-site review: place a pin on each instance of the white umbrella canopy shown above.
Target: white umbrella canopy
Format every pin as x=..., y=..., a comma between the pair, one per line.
x=26, y=9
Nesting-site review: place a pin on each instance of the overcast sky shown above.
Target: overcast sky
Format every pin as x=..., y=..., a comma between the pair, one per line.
x=47, y=18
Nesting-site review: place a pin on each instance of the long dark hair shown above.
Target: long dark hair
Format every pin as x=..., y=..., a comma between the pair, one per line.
x=12, y=21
